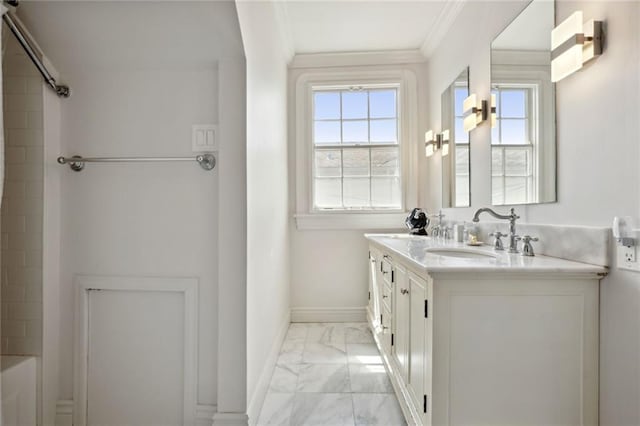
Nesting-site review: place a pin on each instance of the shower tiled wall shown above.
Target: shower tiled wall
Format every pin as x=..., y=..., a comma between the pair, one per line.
x=22, y=204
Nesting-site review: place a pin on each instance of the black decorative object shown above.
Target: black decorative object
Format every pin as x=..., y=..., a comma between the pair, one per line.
x=417, y=222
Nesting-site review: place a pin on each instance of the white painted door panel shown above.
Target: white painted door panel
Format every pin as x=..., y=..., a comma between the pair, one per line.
x=531, y=353
x=135, y=371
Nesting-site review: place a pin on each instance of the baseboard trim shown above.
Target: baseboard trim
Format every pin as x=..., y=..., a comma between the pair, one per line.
x=230, y=419
x=204, y=414
x=262, y=387
x=64, y=412
x=328, y=314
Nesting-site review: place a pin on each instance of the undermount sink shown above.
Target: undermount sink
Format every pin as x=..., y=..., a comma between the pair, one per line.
x=461, y=253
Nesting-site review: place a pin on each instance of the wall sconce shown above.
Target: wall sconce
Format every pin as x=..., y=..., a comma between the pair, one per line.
x=474, y=112
x=432, y=143
x=444, y=142
x=573, y=44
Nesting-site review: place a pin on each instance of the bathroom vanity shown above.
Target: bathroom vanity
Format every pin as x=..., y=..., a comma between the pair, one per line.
x=471, y=336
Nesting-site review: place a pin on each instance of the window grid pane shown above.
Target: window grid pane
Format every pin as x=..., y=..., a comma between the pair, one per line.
x=365, y=174
x=512, y=166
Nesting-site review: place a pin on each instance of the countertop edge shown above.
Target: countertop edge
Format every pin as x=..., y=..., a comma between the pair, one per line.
x=572, y=269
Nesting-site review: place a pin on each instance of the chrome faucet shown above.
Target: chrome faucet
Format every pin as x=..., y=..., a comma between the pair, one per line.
x=511, y=217
x=437, y=228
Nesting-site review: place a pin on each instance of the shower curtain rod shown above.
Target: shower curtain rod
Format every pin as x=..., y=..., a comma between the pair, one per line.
x=14, y=25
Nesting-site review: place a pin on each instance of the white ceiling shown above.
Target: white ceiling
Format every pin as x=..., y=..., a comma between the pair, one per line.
x=115, y=34
x=319, y=26
x=132, y=34
x=531, y=30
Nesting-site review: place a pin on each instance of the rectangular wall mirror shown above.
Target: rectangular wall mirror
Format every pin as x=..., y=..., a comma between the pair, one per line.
x=523, y=133
x=455, y=150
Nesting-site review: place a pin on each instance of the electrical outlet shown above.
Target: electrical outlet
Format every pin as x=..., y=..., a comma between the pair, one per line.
x=627, y=256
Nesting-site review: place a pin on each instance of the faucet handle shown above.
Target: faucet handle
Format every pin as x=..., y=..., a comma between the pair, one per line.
x=527, y=248
x=447, y=232
x=497, y=244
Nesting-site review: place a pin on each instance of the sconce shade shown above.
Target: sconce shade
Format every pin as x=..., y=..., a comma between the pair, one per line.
x=445, y=140
x=428, y=150
x=428, y=143
x=574, y=43
x=428, y=136
x=432, y=143
x=474, y=114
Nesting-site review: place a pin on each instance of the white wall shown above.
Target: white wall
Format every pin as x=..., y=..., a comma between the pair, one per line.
x=140, y=219
x=267, y=196
x=232, y=261
x=329, y=267
x=598, y=152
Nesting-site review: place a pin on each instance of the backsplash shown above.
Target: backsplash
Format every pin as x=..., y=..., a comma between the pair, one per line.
x=578, y=243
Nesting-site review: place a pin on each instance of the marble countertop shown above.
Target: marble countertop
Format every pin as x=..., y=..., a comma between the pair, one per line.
x=416, y=250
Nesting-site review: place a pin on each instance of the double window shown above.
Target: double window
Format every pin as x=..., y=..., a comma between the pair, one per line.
x=356, y=141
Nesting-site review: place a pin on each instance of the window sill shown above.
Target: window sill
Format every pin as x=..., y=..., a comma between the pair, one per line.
x=350, y=221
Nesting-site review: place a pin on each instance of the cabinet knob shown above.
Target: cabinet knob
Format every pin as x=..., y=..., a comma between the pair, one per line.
x=404, y=291
x=384, y=296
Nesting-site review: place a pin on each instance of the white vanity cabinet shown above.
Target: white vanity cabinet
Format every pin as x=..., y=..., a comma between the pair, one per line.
x=505, y=342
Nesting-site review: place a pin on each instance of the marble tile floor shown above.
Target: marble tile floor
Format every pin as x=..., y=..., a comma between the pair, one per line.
x=330, y=374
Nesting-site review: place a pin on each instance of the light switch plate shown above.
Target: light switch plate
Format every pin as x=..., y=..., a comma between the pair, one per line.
x=204, y=137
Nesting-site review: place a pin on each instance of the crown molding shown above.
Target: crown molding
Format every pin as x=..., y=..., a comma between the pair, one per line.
x=346, y=59
x=443, y=23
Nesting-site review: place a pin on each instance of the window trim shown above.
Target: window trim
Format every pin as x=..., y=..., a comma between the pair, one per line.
x=308, y=218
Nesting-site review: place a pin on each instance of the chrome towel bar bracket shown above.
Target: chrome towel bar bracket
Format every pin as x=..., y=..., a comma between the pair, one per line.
x=76, y=163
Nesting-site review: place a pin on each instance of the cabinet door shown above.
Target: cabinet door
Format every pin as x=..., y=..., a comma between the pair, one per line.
x=373, y=312
x=420, y=338
x=401, y=319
